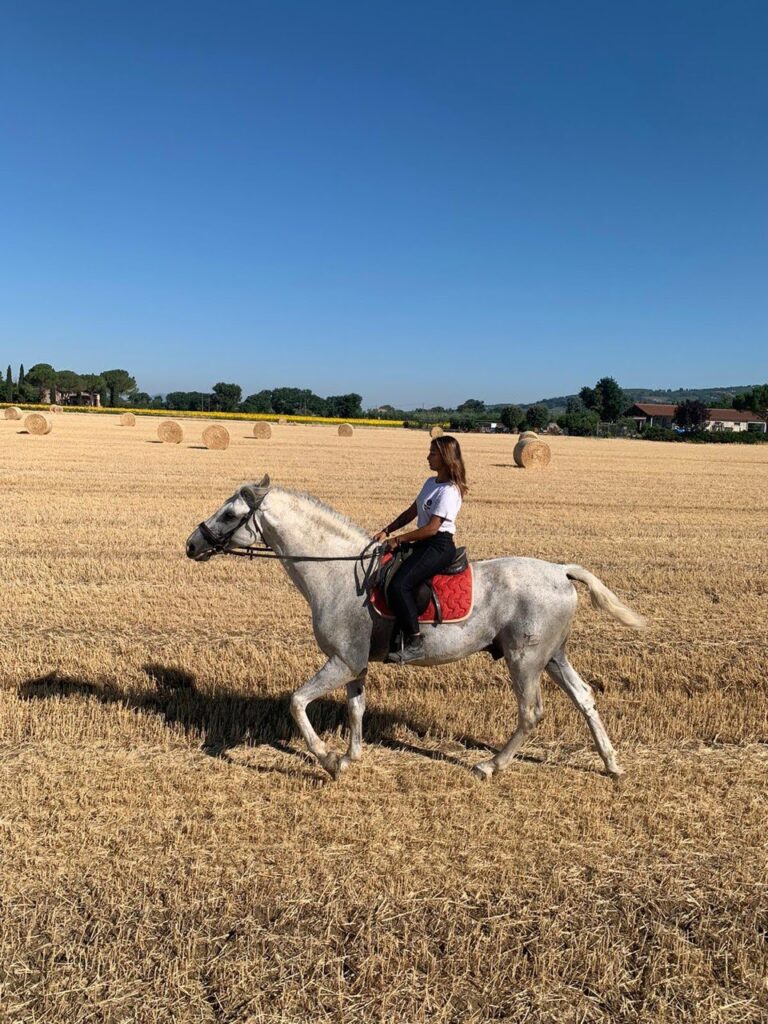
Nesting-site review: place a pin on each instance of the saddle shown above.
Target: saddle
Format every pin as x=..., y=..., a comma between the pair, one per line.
x=446, y=597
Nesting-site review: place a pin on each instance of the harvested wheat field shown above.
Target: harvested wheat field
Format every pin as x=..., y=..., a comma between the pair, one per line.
x=171, y=855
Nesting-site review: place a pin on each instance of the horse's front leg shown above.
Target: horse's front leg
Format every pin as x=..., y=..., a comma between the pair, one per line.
x=355, y=712
x=334, y=673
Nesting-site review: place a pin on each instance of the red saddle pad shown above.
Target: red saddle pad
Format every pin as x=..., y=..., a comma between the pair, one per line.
x=455, y=594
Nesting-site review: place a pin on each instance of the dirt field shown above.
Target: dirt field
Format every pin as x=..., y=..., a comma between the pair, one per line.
x=169, y=854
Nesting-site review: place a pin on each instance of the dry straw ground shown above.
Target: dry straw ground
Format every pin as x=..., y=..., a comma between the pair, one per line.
x=170, y=855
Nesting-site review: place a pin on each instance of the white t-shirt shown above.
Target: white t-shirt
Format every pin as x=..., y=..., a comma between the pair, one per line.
x=442, y=500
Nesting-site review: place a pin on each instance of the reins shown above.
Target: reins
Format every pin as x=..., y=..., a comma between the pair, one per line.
x=265, y=552
x=218, y=544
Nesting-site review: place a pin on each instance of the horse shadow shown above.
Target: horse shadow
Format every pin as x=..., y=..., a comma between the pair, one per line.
x=229, y=720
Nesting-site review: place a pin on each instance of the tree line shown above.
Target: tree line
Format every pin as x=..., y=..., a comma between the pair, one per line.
x=116, y=388
x=603, y=403
x=585, y=414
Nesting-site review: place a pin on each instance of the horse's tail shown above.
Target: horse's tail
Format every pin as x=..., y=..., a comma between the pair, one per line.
x=604, y=599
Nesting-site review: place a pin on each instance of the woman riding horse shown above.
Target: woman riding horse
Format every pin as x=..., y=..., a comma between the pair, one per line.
x=436, y=506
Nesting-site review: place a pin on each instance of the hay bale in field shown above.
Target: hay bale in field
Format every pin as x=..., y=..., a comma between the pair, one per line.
x=36, y=423
x=531, y=453
x=527, y=433
x=127, y=419
x=345, y=430
x=262, y=430
x=436, y=431
x=170, y=432
x=216, y=438
x=56, y=409
x=13, y=413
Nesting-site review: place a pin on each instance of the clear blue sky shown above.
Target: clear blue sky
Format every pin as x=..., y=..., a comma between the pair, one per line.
x=423, y=202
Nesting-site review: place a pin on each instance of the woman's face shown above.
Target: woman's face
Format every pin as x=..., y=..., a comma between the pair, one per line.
x=435, y=459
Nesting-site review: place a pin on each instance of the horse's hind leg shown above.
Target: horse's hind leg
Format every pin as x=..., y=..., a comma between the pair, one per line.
x=569, y=680
x=355, y=712
x=526, y=681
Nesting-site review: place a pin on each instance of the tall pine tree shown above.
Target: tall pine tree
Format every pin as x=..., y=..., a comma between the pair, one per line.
x=21, y=391
x=8, y=385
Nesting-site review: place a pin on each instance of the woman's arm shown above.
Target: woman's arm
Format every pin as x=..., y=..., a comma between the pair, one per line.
x=432, y=527
x=402, y=520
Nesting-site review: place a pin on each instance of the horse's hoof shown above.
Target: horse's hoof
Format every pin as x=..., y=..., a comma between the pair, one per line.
x=331, y=764
x=616, y=774
x=484, y=770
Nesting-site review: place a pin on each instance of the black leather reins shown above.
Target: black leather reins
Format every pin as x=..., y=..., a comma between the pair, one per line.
x=218, y=544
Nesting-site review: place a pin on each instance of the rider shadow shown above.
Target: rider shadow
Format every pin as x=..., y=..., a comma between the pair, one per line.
x=230, y=720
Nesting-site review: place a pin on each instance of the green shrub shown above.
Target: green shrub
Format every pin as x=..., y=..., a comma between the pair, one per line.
x=580, y=424
x=660, y=434
x=704, y=436
x=728, y=437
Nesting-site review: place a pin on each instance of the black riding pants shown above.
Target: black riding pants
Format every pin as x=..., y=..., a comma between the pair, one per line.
x=428, y=557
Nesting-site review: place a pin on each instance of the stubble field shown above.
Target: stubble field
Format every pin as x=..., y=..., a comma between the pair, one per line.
x=169, y=854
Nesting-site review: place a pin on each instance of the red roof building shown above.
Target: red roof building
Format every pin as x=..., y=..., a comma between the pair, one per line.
x=650, y=414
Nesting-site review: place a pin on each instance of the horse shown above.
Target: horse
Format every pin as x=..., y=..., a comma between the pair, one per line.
x=523, y=608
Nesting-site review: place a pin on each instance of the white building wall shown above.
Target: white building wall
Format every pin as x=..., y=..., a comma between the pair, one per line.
x=729, y=425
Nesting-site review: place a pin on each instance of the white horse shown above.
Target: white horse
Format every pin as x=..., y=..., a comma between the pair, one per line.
x=523, y=609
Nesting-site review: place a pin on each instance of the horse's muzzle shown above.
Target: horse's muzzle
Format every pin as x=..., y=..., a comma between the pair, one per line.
x=197, y=549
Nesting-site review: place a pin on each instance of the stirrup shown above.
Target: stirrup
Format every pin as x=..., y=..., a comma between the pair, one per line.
x=412, y=651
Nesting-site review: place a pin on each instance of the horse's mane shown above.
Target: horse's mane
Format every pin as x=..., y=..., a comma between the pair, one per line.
x=330, y=516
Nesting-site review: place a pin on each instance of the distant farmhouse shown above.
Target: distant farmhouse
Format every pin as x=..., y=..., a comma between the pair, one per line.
x=646, y=414
x=58, y=397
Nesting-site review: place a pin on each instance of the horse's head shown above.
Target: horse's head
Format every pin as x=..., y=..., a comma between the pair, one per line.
x=234, y=525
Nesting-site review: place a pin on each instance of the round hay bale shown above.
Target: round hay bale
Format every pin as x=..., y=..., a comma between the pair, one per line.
x=262, y=430
x=436, y=431
x=345, y=430
x=127, y=419
x=530, y=453
x=170, y=432
x=36, y=423
x=216, y=438
x=13, y=413
x=56, y=409
x=527, y=433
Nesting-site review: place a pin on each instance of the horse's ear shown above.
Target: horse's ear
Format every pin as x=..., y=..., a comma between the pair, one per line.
x=253, y=494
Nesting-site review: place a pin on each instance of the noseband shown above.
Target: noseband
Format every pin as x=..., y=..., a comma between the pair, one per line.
x=219, y=544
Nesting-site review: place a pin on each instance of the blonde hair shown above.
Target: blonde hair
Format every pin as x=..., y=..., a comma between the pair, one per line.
x=450, y=453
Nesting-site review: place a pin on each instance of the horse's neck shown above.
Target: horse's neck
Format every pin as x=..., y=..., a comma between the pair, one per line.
x=293, y=524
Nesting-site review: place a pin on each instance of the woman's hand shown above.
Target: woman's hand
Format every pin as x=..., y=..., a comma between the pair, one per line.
x=389, y=542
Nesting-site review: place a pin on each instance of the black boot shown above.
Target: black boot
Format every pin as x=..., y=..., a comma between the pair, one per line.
x=413, y=650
